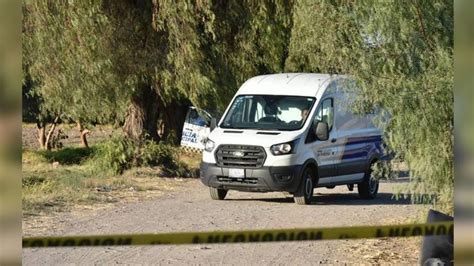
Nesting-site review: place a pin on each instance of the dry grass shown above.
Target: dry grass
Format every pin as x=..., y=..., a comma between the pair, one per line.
x=62, y=180
x=192, y=159
x=393, y=251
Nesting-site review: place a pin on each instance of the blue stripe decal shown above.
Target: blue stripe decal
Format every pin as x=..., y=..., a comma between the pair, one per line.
x=351, y=151
x=357, y=140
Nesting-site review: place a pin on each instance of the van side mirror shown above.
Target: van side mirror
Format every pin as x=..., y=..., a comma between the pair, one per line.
x=321, y=130
x=213, y=123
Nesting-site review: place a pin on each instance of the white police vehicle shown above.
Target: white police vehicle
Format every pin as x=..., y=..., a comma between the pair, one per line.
x=196, y=129
x=291, y=132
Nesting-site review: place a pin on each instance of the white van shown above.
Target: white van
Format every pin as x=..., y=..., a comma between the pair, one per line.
x=292, y=132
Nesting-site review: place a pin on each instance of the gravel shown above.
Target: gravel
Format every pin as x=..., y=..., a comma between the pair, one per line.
x=191, y=209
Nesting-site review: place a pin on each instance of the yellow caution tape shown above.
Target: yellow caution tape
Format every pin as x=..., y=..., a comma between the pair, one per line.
x=271, y=235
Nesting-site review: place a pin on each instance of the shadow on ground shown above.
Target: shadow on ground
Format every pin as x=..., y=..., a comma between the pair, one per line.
x=338, y=199
x=68, y=156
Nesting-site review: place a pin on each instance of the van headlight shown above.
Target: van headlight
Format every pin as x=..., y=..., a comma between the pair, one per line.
x=283, y=148
x=209, y=145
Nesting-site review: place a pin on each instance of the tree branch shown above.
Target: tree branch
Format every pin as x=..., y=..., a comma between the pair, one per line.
x=422, y=25
x=50, y=133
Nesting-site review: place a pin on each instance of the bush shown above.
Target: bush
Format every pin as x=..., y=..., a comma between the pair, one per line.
x=114, y=155
x=120, y=153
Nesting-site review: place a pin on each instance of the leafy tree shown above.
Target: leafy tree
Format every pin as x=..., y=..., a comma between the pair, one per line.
x=158, y=56
x=251, y=38
x=401, y=54
x=67, y=59
x=31, y=112
x=143, y=62
x=157, y=46
x=195, y=52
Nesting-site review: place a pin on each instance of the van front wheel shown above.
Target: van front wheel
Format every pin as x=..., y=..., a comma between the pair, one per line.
x=304, y=194
x=217, y=194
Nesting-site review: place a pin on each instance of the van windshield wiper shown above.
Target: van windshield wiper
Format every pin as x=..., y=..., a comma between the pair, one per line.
x=231, y=127
x=262, y=128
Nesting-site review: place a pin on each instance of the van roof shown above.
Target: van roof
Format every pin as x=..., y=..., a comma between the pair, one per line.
x=299, y=84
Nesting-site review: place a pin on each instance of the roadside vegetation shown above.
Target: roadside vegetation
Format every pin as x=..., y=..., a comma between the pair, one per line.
x=138, y=65
x=112, y=170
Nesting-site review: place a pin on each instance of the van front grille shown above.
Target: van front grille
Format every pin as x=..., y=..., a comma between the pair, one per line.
x=240, y=156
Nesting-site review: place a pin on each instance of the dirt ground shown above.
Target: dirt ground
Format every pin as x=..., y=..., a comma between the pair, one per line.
x=98, y=133
x=189, y=208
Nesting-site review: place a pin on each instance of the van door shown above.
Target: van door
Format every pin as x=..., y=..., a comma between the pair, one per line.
x=355, y=138
x=325, y=151
x=196, y=129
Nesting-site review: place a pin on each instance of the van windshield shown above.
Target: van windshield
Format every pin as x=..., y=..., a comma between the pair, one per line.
x=268, y=112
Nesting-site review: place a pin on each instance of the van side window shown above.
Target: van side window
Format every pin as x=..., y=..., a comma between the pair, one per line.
x=325, y=112
x=347, y=120
x=195, y=118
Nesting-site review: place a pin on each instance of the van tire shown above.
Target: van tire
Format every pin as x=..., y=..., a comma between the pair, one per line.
x=217, y=194
x=369, y=187
x=304, y=193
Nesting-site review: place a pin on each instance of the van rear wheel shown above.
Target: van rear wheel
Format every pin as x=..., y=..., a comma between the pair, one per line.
x=217, y=194
x=304, y=194
x=369, y=187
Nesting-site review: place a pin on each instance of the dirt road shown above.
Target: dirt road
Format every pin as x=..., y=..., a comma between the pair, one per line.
x=191, y=209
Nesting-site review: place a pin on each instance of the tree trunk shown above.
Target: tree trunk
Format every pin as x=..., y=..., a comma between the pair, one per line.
x=47, y=146
x=83, y=135
x=141, y=119
x=41, y=135
x=173, y=119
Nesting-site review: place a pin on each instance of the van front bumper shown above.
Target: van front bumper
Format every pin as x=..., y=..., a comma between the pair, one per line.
x=276, y=178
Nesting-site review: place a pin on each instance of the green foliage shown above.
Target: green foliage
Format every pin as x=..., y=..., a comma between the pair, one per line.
x=67, y=63
x=251, y=38
x=401, y=54
x=181, y=27
x=119, y=154
x=323, y=37
x=110, y=52
x=114, y=155
x=87, y=60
